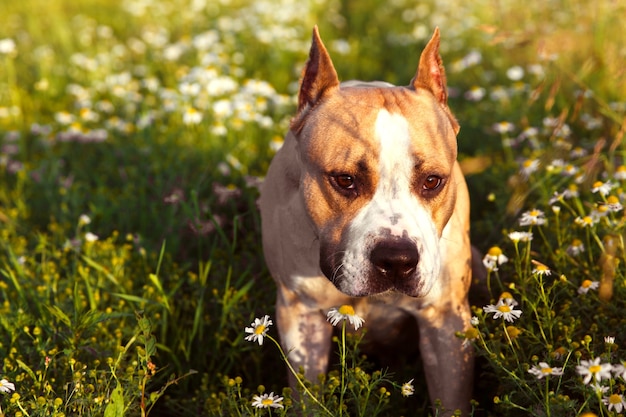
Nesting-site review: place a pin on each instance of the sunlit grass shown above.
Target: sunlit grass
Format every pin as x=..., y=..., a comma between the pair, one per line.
x=134, y=135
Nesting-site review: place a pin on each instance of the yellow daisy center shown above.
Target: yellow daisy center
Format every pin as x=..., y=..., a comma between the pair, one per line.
x=528, y=163
x=615, y=399
x=504, y=308
x=346, y=310
x=76, y=126
x=612, y=199
x=587, y=220
x=534, y=213
x=513, y=331
x=505, y=295
x=259, y=329
x=495, y=251
x=471, y=333
x=594, y=369
x=597, y=184
x=546, y=370
x=586, y=283
x=542, y=268
x=577, y=242
x=267, y=401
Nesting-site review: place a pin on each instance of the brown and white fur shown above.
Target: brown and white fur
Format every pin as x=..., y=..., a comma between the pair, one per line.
x=365, y=204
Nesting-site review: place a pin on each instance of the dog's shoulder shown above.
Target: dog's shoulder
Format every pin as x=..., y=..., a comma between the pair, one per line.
x=283, y=176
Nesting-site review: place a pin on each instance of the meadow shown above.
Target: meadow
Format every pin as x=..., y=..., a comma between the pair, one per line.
x=134, y=135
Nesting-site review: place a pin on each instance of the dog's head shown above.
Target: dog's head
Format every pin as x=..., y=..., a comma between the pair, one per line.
x=378, y=179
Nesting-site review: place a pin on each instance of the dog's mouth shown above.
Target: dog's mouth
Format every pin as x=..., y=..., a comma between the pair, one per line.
x=391, y=265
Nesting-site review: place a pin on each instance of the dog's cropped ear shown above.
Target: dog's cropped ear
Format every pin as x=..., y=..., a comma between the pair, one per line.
x=432, y=76
x=319, y=76
x=430, y=72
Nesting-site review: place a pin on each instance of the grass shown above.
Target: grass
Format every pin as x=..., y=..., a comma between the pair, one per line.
x=133, y=137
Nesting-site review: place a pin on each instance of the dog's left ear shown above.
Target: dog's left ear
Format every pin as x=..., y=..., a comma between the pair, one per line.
x=432, y=76
x=430, y=72
x=319, y=76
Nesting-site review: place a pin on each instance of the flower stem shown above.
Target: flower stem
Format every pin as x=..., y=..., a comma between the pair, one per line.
x=295, y=374
x=343, y=366
x=547, y=396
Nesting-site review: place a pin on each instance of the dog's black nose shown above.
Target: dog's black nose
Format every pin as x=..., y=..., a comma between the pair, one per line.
x=395, y=259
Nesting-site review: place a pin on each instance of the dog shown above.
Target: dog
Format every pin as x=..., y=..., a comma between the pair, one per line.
x=365, y=205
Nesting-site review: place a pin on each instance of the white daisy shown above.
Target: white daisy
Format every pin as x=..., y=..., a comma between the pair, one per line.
x=594, y=369
x=407, y=389
x=258, y=330
x=570, y=170
x=474, y=94
x=586, y=221
x=620, y=173
x=192, y=116
x=588, y=285
x=345, y=312
x=504, y=308
x=90, y=237
x=507, y=297
x=503, y=127
x=603, y=188
x=575, y=248
x=515, y=73
x=529, y=166
x=543, y=369
x=267, y=400
x=571, y=191
x=614, y=402
x=6, y=386
x=532, y=217
x=598, y=388
x=520, y=236
x=493, y=258
x=613, y=204
x=540, y=269
x=619, y=370
x=7, y=46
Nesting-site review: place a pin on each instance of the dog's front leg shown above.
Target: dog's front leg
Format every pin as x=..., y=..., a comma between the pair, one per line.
x=305, y=335
x=448, y=362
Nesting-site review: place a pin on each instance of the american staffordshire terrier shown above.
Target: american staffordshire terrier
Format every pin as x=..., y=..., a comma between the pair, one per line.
x=366, y=205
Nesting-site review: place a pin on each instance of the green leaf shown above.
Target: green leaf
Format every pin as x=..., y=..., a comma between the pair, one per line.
x=27, y=369
x=103, y=270
x=132, y=298
x=59, y=314
x=150, y=345
x=115, y=408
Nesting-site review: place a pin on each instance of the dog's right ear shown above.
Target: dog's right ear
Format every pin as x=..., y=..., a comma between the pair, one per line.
x=319, y=76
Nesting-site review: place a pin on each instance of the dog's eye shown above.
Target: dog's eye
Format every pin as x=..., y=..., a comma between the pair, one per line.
x=431, y=183
x=344, y=181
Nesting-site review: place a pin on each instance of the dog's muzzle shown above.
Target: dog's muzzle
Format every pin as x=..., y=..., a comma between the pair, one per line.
x=389, y=264
x=395, y=260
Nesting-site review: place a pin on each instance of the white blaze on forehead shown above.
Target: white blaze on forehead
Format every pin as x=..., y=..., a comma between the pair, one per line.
x=394, y=209
x=396, y=163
